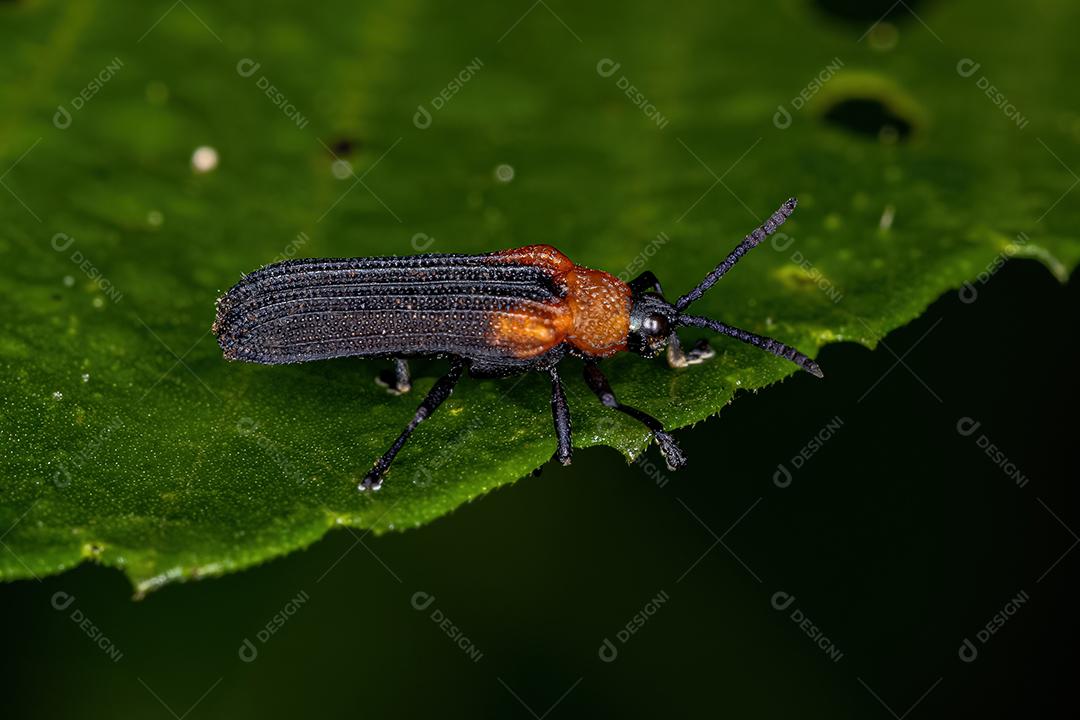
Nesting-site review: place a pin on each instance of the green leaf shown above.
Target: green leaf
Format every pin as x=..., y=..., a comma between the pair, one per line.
x=638, y=136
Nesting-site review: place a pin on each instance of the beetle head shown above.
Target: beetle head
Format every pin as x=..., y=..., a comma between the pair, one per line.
x=652, y=321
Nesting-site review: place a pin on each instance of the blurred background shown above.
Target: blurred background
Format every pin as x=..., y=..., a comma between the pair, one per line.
x=897, y=540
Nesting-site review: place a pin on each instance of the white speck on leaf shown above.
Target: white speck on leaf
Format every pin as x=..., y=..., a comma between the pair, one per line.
x=204, y=159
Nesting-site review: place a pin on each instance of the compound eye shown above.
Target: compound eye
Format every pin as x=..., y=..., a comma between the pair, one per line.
x=655, y=325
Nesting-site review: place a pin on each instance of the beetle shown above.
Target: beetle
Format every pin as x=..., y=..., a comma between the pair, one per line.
x=493, y=315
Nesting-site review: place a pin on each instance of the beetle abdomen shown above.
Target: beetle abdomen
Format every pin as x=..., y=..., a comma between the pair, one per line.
x=301, y=310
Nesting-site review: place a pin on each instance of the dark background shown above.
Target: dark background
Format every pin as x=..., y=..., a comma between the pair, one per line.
x=899, y=539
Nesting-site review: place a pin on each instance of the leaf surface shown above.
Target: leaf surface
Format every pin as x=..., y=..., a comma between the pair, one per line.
x=631, y=137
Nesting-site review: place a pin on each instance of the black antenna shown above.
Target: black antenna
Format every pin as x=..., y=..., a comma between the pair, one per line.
x=767, y=229
x=765, y=343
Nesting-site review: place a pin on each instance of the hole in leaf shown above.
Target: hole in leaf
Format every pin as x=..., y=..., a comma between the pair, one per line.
x=342, y=146
x=870, y=117
x=93, y=549
x=871, y=106
x=869, y=11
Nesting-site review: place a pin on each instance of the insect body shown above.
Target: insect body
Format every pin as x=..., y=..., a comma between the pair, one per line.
x=494, y=315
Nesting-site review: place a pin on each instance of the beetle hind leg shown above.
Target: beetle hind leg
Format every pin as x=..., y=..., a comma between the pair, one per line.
x=435, y=397
x=396, y=381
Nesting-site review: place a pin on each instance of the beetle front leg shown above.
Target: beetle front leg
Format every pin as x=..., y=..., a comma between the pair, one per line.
x=560, y=412
x=596, y=381
x=679, y=358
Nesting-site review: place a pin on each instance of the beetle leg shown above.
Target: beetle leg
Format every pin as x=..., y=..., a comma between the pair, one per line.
x=560, y=411
x=596, y=381
x=439, y=392
x=679, y=358
x=396, y=381
x=644, y=281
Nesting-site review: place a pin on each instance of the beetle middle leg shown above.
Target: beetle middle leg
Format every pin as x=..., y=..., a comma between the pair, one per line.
x=396, y=381
x=439, y=392
x=560, y=411
x=596, y=381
